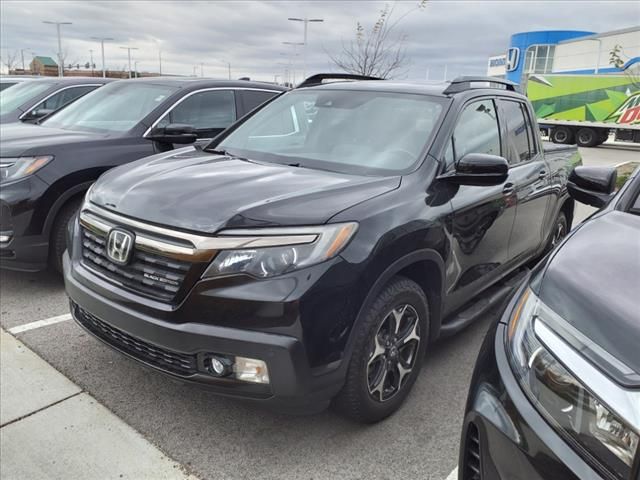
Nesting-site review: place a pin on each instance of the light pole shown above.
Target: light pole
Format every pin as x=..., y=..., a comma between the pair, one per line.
x=201, y=69
x=60, y=59
x=102, y=40
x=135, y=68
x=295, y=54
x=160, y=62
x=91, y=60
x=306, y=23
x=128, y=49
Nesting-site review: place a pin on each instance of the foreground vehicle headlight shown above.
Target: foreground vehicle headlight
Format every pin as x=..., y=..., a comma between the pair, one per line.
x=16, y=168
x=594, y=414
x=322, y=243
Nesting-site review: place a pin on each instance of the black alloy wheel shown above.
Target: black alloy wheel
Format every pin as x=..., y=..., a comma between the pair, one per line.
x=393, y=352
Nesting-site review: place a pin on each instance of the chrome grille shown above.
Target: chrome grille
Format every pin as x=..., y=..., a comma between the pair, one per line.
x=147, y=273
x=167, y=360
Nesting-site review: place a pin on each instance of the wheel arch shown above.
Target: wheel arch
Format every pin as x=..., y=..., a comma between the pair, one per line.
x=426, y=268
x=69, y=195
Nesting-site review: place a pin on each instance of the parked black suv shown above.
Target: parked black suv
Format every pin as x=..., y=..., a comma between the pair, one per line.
x=315, y=249
x=46, y=169
x=32, y=100
x=556, y=388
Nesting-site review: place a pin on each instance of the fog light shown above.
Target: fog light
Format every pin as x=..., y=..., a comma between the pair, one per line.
x=220, y=366
x=251, y=370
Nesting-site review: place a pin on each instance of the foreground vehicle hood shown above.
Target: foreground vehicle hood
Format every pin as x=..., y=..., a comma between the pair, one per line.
x=27, y=139
x=593, y=283
x=198, y=191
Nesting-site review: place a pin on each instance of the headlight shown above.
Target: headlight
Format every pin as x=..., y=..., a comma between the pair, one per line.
x=593, y=413
x=15, y=168
x=325, y=242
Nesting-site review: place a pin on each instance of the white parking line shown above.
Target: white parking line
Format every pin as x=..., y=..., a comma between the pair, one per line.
x=453, y=475
x=40, y=323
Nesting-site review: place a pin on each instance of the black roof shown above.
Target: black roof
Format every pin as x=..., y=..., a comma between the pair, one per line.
x=68, y=80
x=442, y=89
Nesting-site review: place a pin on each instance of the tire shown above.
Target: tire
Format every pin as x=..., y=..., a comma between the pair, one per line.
x=559, y=231
x=562, y=135
x=375, y=384
x=58, y=241
x=587, y=137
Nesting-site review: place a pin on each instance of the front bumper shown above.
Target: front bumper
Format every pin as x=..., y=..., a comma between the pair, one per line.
x=21, y=220
x=503, y=435
x=293, y=386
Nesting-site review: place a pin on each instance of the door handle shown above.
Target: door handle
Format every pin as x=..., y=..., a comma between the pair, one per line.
x=508, y=189
x=542, y=175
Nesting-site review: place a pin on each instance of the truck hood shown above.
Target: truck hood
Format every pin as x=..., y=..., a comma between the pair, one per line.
x=27, y=139
x=201, y=192
x=592, y=282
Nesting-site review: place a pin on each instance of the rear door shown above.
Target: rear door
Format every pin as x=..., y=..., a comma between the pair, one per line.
x=252, y=99
x=528, y=176
x=483, y=215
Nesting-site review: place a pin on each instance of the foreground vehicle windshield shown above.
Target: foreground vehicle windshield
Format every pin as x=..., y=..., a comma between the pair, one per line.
x=117, y=107
x=10, y=99
x=363, y=132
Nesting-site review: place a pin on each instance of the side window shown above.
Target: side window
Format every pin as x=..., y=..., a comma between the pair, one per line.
x=477, y=130
x=448, y=154
x=64, y=97
x=254, y=98
x=518, y=132
x=209, y=112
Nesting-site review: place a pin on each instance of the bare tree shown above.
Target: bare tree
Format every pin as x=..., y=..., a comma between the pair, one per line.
x=10, y=59
x=617, y=59
x=380, y=51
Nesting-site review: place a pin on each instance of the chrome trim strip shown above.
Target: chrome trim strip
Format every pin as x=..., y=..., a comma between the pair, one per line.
x=180, y=100
x=58, y=91
x=204, y=248
x=624, y=402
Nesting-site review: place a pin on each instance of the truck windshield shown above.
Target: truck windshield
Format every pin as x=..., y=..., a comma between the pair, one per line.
x=19, y=94
x=117, y=107
x=362, y=132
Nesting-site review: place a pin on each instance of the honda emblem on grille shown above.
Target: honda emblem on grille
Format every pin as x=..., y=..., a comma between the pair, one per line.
x=119, y=246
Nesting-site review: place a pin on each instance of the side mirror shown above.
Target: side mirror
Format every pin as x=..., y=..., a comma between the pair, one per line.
x=480, y=169
x=592, y=185
x=174, y=133
x=37, y=114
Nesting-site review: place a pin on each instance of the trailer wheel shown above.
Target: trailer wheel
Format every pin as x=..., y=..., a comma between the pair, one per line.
x=587, y=137
x=562, y=135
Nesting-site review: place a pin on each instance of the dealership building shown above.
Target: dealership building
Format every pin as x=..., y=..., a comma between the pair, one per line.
x=566, y=51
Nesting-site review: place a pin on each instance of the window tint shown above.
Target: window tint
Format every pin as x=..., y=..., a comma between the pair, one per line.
x=208, y=112
x=477, y=130
x=518, y=132
x=64, y=97
x=253, y=98
x=116, y=107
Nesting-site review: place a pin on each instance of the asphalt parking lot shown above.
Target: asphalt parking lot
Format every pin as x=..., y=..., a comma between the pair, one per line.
x=215, y=437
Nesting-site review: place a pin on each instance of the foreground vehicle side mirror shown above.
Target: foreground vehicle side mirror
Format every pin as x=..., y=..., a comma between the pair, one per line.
x=592, y=185
x=174, y=133
x=480, y=169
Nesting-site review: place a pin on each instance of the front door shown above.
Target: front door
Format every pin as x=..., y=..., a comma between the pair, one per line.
x=483, y=216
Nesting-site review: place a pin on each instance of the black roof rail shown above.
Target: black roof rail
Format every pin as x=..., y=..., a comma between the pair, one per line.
x=460, y=84
x=318, y=78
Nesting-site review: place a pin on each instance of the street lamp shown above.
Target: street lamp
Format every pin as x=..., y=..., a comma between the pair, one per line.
x=295, y=54
x=60, y=59
x=102, y=40
x=128, y=49
x=306, y=23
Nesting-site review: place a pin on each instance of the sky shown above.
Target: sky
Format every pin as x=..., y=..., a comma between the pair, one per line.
x=445, y=35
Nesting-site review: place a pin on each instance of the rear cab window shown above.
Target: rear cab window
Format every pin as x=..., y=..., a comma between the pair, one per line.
x=520, y=143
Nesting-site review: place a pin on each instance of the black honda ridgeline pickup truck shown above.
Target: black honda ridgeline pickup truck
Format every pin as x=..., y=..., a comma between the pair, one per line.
x=314, y=250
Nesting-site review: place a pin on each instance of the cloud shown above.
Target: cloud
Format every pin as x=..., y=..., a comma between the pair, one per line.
x=249, y=34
